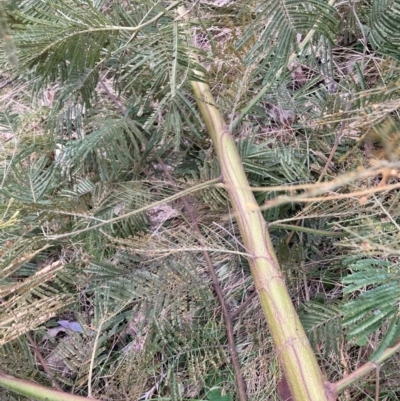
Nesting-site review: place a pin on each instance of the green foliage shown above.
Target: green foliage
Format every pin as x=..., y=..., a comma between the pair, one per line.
x=100, y=125
x=377, y=288
x=287, y=21
x=384, y=17
x=5, y=36
x=323, y=325
x=215, y=395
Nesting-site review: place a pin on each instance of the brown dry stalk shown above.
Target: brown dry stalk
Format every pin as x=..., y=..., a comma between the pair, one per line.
x=46, y=368
x=337, y=141
x=304, y=199
x=240, y=383
x=243, y=306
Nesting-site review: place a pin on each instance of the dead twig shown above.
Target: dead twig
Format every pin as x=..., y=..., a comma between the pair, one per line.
x=39, y=356
x=240, y=383
x=337, y=141
x=243, y=306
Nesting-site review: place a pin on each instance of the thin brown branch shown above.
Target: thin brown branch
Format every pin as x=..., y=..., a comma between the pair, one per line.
x=243, y=306
x=336, y=143
x=377, y=375
x=46, y=368
x=240, y=383
x=112, y=97
x=345, y=179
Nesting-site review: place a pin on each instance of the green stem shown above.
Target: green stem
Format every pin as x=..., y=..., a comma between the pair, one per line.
x=368, y=367
x=292, y=346
x=36, y=391
x=322, y=233
x=171, y=198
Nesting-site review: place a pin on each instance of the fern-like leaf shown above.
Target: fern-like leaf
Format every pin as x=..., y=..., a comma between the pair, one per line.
x=376, y=287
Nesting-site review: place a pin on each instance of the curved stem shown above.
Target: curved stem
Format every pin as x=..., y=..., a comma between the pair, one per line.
x=33, y=390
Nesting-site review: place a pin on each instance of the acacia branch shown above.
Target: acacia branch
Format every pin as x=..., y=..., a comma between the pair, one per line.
x=298, y=362
x=184, y=192
x=110, y=28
